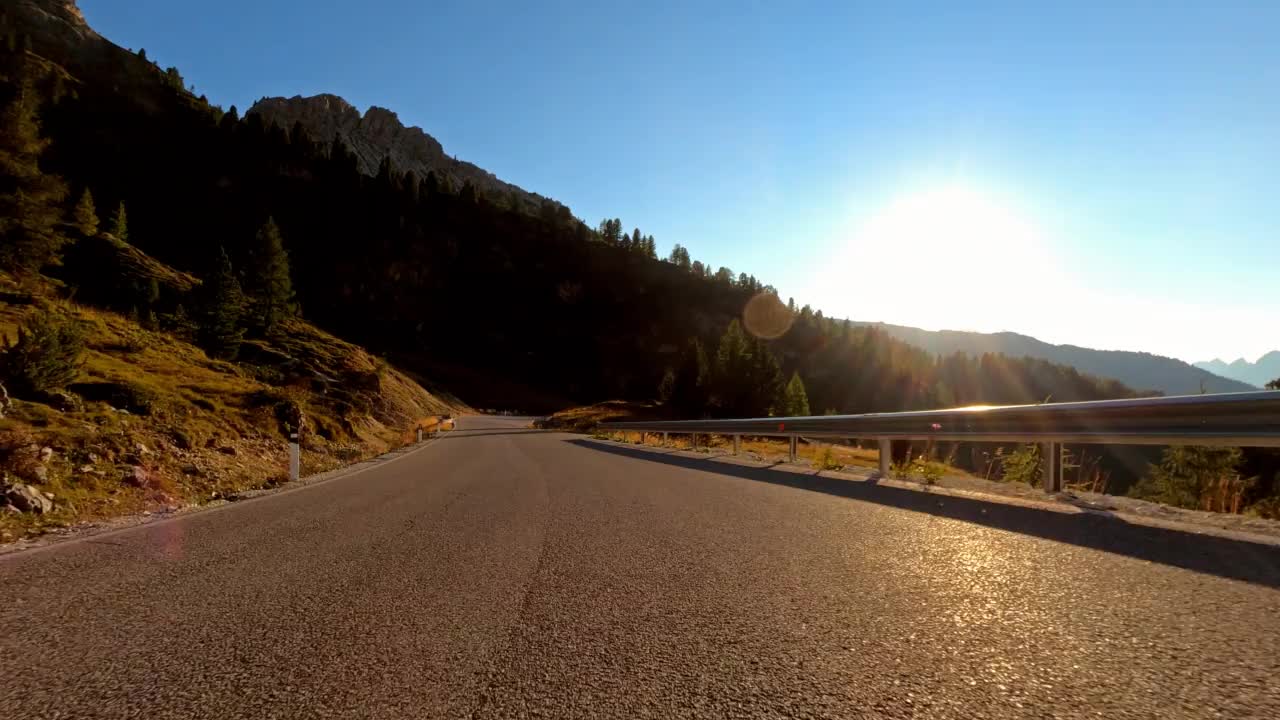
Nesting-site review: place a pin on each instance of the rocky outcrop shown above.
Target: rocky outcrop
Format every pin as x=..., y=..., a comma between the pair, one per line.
x=379, y=134
x=25, y=498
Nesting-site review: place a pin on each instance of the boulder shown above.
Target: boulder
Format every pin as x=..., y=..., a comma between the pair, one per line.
x=27, y=499
x=59, y=400
x=137, y=476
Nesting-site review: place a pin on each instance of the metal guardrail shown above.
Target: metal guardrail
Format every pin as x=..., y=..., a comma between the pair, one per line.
x=1247, y=419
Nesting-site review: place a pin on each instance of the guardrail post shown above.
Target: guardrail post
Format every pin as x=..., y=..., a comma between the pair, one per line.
x=1051, y=463
x=419, y=434
x=737, y=444
x=794, y=442
x=886, y=456
x=665, y=439
x=295, y=457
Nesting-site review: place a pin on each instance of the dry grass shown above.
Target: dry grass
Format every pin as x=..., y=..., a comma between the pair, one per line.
x=213, y=428
x=819, y=455
x=585, y=419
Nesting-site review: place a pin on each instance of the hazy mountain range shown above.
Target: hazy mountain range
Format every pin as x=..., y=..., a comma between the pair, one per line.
x=1139, y=370
x=1259, y=373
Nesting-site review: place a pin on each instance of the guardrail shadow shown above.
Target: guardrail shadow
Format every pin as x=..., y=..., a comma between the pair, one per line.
x=1251, y=562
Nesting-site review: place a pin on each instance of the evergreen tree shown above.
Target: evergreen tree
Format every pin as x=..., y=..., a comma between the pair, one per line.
x=731, y=372
x=795, y=401
x=269, y=285
x=30, y=200
x=45, y=356
x=85, y=215
x=689, y=386
x=1274, y=384
x=120, y=224
x=679, y=257
x=221, y=311
x=1204, y=478
x=666, y=387
x=468, y=194
x=765, y=384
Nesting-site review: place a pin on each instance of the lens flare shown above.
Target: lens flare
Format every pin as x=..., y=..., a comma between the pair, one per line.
x=766, y=317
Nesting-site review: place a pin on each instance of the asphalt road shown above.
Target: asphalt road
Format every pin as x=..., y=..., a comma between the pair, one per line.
x=500, y=572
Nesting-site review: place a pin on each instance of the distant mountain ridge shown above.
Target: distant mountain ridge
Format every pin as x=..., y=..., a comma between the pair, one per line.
x=379, y=134
x=1259, y=373
x=1138, y=370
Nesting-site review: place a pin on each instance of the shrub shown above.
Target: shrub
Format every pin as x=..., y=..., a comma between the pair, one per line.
x=827, y=461
x=46, y=355
x=1202, y=478
x=928, y=471
x=1022, y=465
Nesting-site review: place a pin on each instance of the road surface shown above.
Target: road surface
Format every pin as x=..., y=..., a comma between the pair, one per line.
x=500, y=572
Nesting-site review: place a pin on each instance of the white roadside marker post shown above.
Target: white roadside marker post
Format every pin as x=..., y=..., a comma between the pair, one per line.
x=295, y=457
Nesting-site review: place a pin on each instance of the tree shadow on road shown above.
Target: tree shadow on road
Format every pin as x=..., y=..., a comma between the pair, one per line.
x=1251, y=562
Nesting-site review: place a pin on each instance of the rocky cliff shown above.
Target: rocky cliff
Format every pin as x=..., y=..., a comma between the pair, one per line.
x=379, y=134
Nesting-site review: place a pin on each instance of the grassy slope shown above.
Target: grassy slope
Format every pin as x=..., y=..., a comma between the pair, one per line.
x=212, y=429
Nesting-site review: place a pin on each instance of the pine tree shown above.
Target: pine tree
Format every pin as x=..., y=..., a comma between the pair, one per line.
x=85, y=215
x=221, y=311
x=30, y=200
x=765, y=385
x=795, y=401
x=269, y=285
x=120, y=224
x=45, y=356
x=1274, y=384
x=1204, y=478
x=689, y=386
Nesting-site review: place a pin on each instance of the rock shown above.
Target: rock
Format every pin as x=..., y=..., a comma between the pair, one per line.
x=41, y=473
x=379, y=134
x=137, y=476
x=142, y=449
x=228, y=450
x=27, y=499
x=59, y=400
x=121, y=396
x=191, y=469
x=46, y=454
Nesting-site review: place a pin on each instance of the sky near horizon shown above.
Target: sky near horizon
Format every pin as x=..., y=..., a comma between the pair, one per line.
x=1104, y=174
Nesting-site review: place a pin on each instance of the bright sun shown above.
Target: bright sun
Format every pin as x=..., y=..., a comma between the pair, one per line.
x=948, y=256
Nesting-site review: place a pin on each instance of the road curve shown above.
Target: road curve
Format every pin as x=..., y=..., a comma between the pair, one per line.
x=501, y=572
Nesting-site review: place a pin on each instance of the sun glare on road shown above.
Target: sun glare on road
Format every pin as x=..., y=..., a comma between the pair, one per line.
x=951, y=255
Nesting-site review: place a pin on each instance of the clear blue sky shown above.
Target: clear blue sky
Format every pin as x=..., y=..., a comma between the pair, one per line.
x=1105, y=174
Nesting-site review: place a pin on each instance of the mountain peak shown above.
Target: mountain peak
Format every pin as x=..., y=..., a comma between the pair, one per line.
x=378, y=133
x=1259, y=373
